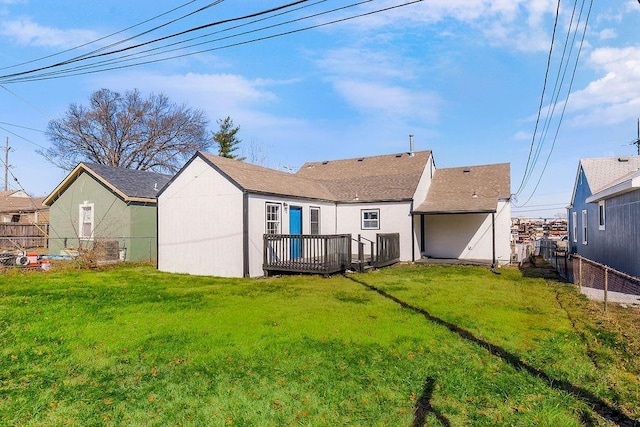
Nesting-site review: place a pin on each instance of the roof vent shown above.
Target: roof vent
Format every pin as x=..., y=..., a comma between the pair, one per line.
x=398, y=156
x=623, y=159
x=361, y=159
x=325, y=162
x=466, y=170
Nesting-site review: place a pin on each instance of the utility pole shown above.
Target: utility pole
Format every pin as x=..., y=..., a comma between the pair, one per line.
x=637, y=143
x=6, y=164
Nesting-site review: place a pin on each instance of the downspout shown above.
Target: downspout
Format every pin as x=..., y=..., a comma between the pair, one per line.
x=422, y=240
x=245, y=234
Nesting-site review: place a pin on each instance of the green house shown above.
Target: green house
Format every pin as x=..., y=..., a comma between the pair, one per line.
x=106, y=208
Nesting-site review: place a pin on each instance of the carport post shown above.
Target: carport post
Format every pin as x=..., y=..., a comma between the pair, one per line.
x=493, y=237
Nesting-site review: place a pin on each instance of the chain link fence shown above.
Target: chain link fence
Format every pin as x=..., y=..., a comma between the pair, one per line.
x=113, y=248
x=607, y=282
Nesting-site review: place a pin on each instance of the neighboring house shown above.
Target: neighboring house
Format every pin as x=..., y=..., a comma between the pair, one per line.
x=23, y=221
x=213, y=214
x=18, y=207
x=604, y=214
x=112, y=206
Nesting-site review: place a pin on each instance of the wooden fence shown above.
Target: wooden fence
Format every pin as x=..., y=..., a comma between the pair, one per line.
x=23, y=236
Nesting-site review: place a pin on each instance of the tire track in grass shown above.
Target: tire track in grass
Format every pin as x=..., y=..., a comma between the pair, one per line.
x=598, y=405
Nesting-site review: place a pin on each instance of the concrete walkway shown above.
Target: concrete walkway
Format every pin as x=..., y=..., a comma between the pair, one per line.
x=614, y=297
x=451, y=261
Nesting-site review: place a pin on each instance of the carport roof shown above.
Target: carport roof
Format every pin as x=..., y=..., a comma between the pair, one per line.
x=468, y=189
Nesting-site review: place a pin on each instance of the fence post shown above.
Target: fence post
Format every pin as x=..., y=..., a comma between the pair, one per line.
x=606, y=287
x=580, y=274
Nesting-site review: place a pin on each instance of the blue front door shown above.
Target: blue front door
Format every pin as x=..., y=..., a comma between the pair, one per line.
x=295, y=227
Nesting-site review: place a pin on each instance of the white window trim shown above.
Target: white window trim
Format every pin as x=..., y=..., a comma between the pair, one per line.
x=277, y=222
x=601, y=215
x=574, y=228
x=362, y=219
x=584, y=227
x=81, y=222
x=311, y=209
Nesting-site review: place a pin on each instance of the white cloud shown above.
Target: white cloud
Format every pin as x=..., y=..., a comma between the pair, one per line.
x=379, y=83
x=388, y=101
x=218, y=95
x=615, y=96
x=608, y=34
x=519, y=24
x=522, y=136
x=354, y=61
x=28, y=33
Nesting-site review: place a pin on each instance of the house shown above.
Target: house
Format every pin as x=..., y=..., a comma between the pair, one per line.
x=16, y=206
x=23, y=221
x=215, y=214
x=604, y=224
x=113, y=207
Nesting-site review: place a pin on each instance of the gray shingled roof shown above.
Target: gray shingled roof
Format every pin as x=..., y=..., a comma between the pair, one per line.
x=602, y=172
x=467, y=189
x=269, y=181
x=376, y=178
x=132, y=183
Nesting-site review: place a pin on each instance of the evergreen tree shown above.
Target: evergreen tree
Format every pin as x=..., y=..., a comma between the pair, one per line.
x=226, y=139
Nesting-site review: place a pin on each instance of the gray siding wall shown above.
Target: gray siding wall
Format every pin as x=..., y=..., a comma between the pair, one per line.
x=618, y=245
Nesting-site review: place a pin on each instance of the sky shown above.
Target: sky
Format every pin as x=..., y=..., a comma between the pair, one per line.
x=475, y=81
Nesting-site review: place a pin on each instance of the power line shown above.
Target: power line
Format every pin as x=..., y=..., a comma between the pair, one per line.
x=544, y=87
x=96, y=54
x=575, y=67
x=99, y=39
x=140, y=55
x=110, y=64
x=556, y=90
x=23, y=138
x=21, y=127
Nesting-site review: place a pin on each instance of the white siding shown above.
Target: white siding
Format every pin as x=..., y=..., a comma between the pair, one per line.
x=200, y=224
x=257, y=221
x=395, y=217
x=419, y=196
x=469, y=236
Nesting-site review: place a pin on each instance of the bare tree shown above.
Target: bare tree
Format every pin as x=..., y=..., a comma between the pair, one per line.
x=127, y=131
x=256, y=153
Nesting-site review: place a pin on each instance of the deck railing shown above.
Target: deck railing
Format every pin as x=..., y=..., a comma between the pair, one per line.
x=387, y=249
x=321, y=254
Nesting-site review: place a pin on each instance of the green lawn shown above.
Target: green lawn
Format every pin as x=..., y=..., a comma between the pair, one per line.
x=402, y=346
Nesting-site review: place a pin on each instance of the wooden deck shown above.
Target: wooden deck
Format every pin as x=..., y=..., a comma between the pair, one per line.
x=327, y=254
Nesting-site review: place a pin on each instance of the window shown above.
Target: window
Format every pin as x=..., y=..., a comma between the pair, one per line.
x=584, y=227
x=314, y=215
x=574, y=226
x=601, y=215
x=370, y=219
x=85, y=231
x=273, y=218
